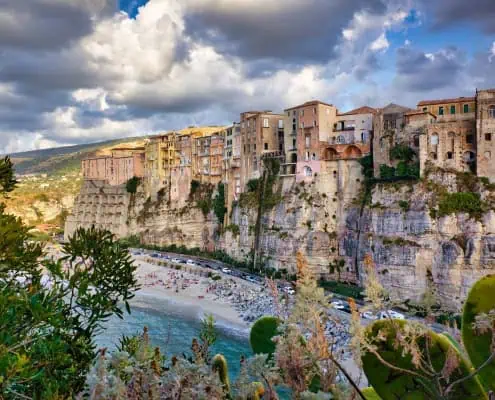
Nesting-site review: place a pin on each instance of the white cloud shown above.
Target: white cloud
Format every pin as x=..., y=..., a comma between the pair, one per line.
x=492, y=51
x=380, y=44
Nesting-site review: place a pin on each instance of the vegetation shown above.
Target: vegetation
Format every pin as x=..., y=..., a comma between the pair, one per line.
x=262, y=333
x=132, y=185
x=47, y=330
x=465, y=202
x=406, y=360
x=234, y=229
x=343, y=289
x=219, y=204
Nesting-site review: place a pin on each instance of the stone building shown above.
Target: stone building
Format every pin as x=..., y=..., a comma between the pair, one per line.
x=485, y=133
x=232, y=167
x=351, y=135
x=450, y=141
x=307, y=128
x=209, y=159
x=261, y=133
x=117, y=169
x=388, y=131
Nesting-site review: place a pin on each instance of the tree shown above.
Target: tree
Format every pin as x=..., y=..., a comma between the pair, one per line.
x=51, y=310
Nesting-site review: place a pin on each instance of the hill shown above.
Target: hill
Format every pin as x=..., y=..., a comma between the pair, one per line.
x=61, y=160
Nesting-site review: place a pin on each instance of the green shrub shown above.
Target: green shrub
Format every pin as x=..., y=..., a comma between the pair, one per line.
x=132, y=184
x=386, y=172
x=219, y=204
x=367, y=164
x=194, y=187
x=465, y=202
x=216, y=277
x=262, y=333
x=402, y=153
x=343, y=289
x=404, y=205
x=252, y=185
x=481, y=299
x=234, y=229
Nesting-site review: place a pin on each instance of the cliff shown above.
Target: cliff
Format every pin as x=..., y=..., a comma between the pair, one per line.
x=418, y=233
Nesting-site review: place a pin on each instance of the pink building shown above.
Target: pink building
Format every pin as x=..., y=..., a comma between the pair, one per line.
x=116, y=169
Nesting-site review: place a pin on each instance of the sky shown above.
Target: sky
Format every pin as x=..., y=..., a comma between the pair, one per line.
x=80, y=71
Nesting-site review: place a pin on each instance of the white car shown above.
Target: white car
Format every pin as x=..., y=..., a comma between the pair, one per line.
x=289, y=290
x=176, y=261
x=391, y=314
x=190, y=262
x=339, y=305
x=226, y=270
x=369, y=315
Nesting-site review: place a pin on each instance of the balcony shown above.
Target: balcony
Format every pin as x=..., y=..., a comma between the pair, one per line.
x=344, y=139
x=345, y=129
x=293, y=133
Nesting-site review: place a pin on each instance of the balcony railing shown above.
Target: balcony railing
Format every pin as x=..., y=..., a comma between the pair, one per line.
x=344, y=140
x=345, y=129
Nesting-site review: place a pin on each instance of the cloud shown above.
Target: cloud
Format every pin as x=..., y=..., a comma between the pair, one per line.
x=380, y=44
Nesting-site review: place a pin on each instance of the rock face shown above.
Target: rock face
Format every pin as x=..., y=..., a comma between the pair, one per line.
x=413, y=250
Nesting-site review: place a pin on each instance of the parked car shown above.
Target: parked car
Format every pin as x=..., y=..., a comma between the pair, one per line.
x=155, y=255
x=347, y=308
x=289, y=290
x=338, y=304
x=226, y=270
x=190, y=262
x=369, y=315
x=176, y=260
x=391, y=314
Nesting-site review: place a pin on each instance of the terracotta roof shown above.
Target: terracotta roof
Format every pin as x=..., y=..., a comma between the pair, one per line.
x=419, y=112
x=360, y=110
x=445, y=101
x=309, y=103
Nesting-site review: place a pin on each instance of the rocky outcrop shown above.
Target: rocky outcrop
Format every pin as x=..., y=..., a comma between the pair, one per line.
x=414, y=251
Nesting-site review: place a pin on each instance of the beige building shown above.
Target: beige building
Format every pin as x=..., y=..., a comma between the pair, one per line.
x=351, y=135
x=485, y=133
x=232, y=167
x=307, y=129
x=209, y=159
x=262, y=133
x=450, y=141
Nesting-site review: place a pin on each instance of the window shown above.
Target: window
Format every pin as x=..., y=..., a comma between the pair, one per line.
x=314, y=123
x=416, y=141
x=248, y=123
x=266, y=146
x=450, y=155
x=393, y=124
x=280, y=123
x=254, y=147
x=440, y=110
x=314, y=110
x=488, y=155
x=302, y=113
x=266, y=123
x=465, y=108
x=488, y=137
x=293, y=143
x=434, y=139
x=491, y=112
x=452, y=109
x=288, y=113
x=425, y=109
x=302, y=125
x=307, y=141
x=308, y=171
x=306, y=156
x=313, y=157
x=470, y=139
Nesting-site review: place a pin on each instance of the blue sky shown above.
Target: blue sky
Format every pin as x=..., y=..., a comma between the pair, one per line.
x=106, y=69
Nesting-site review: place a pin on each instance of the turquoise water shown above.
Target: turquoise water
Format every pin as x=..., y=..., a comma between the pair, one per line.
x=172, y=329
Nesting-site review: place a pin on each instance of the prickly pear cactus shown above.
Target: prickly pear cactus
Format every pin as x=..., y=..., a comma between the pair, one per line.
x=394, y=384
x=481, y=300
x=262, y=333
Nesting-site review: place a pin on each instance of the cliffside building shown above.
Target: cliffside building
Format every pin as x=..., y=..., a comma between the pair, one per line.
x=117, y=169
x=450, y=140
x=232, y=166
x=262, y=132
x=485, y=133
x=351, y=135
x=388, y=131
x=307, y=129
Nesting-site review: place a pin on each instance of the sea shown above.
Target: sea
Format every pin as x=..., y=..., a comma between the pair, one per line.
x=172, y=327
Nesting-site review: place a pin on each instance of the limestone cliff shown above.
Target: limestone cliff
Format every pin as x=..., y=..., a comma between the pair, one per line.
x=417, y=243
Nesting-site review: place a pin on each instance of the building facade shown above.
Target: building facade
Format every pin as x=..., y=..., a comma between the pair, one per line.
x=261, y=134
x=485, y=133
x=450, y=141
x=388, y=131
x=116, y=169
x=232, y=166
x=307, y=129
x=351, y=135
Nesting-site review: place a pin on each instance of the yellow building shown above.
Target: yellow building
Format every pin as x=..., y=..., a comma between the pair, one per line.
x=450, y=109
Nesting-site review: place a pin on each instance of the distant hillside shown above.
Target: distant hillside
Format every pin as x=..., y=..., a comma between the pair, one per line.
x=61, y=160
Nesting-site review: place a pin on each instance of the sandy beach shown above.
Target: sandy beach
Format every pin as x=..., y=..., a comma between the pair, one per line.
x=189, y=291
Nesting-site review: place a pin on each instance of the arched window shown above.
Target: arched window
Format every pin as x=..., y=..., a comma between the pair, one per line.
x=434, y=139
x=313, y=156
x=416, y=141
x=491, y=112
x=308, y=171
